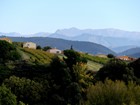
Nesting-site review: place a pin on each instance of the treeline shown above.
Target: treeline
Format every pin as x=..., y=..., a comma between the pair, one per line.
x=66, y=81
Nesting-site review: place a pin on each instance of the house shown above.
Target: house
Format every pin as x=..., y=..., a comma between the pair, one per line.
x=126, y=58
x=54, y=50
x=29, y=45
x=6, y=39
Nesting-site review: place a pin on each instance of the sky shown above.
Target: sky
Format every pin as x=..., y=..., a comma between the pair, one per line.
x=33, y=16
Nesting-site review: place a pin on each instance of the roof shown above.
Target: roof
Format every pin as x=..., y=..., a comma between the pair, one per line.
x=6, y=39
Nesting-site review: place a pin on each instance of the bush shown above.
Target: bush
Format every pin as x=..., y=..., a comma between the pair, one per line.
x=115, y=70
x=8, y=52
x=6, y=97
x=114, y=93
x=26, y=90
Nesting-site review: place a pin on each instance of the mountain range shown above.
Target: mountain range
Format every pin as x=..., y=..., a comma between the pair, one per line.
x=133, y=52
x=87, y=47
x=115, y=39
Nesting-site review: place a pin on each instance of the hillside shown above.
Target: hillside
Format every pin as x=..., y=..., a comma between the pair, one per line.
x=42, y=57
x=108, y=37
x=87, y=47
x=111, y=38
x=134, y=52
x=36, y=56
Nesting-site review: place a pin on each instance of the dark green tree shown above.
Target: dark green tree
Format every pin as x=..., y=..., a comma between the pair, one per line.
x=110, y=56
x=46, y=48
x=8, y=52
x=115, y=70
x=26, y=90
x=38, y=47
x=71, y=59
x=6, y=97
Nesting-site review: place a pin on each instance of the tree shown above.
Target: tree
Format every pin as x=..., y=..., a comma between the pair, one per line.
x=110, y=56
x=26, y=90
x=113, y=93
x=73, y=57
x=38, y=47
x=46, y=48
x=6, y=97
x=8, y=52
x=115, y=70
x=136, y=67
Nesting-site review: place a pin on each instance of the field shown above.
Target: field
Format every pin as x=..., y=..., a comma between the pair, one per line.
x=36, y=56
x=93, y=65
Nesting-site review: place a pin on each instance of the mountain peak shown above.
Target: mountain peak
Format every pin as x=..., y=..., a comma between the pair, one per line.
x=69, y=31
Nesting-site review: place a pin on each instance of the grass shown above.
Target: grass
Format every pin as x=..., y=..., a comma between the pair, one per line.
x=36, y=56
x=93, y=65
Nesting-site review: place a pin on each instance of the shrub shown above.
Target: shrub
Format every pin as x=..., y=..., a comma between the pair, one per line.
x=114, y=93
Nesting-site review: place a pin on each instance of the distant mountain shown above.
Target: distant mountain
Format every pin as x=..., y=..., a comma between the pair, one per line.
x=134, y=52
x=111, y=38
x=123, y=48
x=109, y=32
x=87, y=47
x=14, y=34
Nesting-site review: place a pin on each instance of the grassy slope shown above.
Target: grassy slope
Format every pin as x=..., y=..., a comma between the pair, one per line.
x=93, y=65
x=36, y=56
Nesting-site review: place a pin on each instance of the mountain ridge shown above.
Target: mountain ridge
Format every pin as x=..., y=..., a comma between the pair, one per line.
x=82, y=46
x=110, y=37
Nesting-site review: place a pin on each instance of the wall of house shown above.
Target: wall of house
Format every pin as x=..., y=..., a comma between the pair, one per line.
x=29, y=45
x=56, y=51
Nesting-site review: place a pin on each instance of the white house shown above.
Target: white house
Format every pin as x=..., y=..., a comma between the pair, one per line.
x=29, y=45
x=55, y=51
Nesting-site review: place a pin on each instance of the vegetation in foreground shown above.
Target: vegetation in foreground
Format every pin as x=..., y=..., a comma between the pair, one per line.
x=45, y=79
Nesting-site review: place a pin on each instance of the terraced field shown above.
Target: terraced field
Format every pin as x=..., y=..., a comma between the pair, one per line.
x=93, y=65
x=36, y=56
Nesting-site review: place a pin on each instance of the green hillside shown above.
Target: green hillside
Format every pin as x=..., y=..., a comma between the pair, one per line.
x=36, y=56
x=93, y=65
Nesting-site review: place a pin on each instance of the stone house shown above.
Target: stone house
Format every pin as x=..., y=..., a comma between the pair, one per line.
x=126, y=58
x=54, y=50
x=29, y=45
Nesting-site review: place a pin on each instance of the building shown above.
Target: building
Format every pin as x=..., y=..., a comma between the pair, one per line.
x=54, y=50
x=6, y=39
x=126, y=58
x=29, y=45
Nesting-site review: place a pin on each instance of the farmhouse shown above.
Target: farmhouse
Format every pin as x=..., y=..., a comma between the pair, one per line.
x=126, y=58
x=54, y=50
x=29, y=45
x=6, y=39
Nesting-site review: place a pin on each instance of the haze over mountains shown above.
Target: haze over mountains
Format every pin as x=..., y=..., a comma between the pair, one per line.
x=115, y=39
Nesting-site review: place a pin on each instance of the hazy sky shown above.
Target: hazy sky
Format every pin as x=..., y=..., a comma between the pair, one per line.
x=32, y=16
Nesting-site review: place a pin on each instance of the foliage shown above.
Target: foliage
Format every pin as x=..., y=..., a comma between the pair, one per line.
x=110, y=56
x=26, y=90
x=38, y=47
x=5, y=72
x=8, y=52
x=46, y=48
x=18, y=44
x=73, y=57
x=136, y=66
x=97, y=59
x=66, y=87
x=110, y=93
x=38, y=56
x=6, y=97
x=115, y=70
